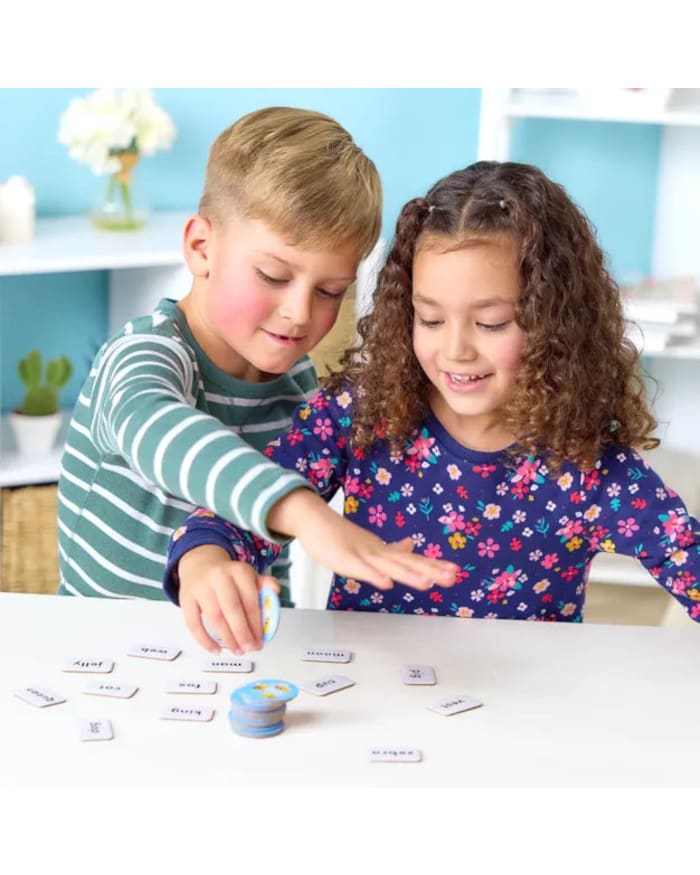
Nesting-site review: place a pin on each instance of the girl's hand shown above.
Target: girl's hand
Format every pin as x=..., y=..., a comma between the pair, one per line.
x=347, y=549
x=224, y=593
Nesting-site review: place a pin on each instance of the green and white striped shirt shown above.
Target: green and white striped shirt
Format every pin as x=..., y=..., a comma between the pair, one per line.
x=157, y=431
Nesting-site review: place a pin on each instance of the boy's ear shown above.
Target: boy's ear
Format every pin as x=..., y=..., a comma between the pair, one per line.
x=196, y=242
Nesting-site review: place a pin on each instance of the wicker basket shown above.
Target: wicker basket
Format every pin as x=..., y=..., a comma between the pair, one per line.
x=29, y=551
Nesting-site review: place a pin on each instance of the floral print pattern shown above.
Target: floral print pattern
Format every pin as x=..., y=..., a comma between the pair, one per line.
x=523, y=536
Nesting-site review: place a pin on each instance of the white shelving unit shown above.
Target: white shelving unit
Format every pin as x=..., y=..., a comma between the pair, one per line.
x=143, y=266
x=676, y=253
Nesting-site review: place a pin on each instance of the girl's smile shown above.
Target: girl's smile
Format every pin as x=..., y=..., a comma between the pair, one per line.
x=466, y=382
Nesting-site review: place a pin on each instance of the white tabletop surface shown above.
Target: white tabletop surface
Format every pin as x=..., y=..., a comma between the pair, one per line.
x=564, y=704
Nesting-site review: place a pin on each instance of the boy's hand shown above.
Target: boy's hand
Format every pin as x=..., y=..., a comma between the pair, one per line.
x=347, y=549
x=215, y=588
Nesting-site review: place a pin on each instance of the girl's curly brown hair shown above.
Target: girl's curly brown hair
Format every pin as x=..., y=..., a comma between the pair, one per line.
x=580, y=386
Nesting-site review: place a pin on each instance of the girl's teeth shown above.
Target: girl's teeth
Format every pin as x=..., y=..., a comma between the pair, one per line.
x=459, y=379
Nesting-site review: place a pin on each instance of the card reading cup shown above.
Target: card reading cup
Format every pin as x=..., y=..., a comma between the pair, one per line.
x=329, y=684
x=270, y=610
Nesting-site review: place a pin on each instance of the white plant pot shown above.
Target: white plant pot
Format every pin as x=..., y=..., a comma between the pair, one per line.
x=35, y=435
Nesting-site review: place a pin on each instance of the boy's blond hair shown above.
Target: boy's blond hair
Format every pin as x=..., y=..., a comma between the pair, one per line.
x=300, y=172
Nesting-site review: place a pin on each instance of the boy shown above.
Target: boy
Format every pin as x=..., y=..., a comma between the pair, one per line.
x=176, y=403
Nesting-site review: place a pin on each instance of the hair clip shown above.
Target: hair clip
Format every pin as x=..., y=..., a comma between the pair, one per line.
x=431, y=207
x=502, y=204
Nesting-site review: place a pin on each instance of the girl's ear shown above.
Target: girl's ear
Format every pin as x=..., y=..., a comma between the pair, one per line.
x=196, y=244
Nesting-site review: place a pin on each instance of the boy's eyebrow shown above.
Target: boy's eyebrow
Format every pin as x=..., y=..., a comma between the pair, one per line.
x=287, y=263
x=477, y=305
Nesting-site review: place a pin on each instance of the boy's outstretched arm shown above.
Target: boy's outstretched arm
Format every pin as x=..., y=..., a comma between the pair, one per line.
x=215, y=571
x=348, y=549
x=316, y=445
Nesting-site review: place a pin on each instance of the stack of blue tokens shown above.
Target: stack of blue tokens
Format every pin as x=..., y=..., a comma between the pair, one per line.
x=257, y=709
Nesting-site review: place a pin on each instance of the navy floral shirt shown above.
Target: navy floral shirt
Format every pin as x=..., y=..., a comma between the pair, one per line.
x=523, y=536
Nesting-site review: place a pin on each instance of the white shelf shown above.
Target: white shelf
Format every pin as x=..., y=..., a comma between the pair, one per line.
x=621, y=570
x=16, y=470
x=632, y=109
x=71, y=243
x=675, y=352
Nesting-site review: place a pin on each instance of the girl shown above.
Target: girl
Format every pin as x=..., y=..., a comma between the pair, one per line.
x=492, y=412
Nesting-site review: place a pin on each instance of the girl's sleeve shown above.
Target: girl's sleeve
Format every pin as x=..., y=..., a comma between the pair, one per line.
x=644, y=518
x=315, y=445
x=144, y=410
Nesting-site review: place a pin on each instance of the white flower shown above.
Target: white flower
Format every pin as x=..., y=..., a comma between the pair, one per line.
x=98, y=127
x=383, y=476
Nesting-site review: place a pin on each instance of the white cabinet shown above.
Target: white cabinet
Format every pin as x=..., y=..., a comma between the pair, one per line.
x=676, y=253
x=143, y=267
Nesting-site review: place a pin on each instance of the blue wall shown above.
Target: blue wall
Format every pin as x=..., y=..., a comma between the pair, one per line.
x=610, y=169
x=413, y=135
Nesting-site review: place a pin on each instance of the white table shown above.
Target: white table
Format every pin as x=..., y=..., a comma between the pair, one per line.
x=564, y=704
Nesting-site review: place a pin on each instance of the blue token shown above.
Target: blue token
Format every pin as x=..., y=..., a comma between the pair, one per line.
x=254, y=732
x=267, y=691
x=270, y=608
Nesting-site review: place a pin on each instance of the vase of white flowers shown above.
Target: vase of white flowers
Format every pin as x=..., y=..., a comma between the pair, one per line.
x=110, y=131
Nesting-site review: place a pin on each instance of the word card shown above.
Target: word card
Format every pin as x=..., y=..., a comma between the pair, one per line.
x=455, y=704
x=117, y=691
x=177, y=712
x=226, y=663
x=317, y=654
x=394, y=755
x=329, y=684
x=148, y=651
x=95, y=730
x=40, y=697
x=191, y=686
x=418, y=674
x=89, y=666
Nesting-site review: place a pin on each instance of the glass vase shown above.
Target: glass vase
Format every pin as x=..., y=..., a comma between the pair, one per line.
x=121, y=206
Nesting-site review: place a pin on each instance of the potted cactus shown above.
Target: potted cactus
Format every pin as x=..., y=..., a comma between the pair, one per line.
x=37, y=421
